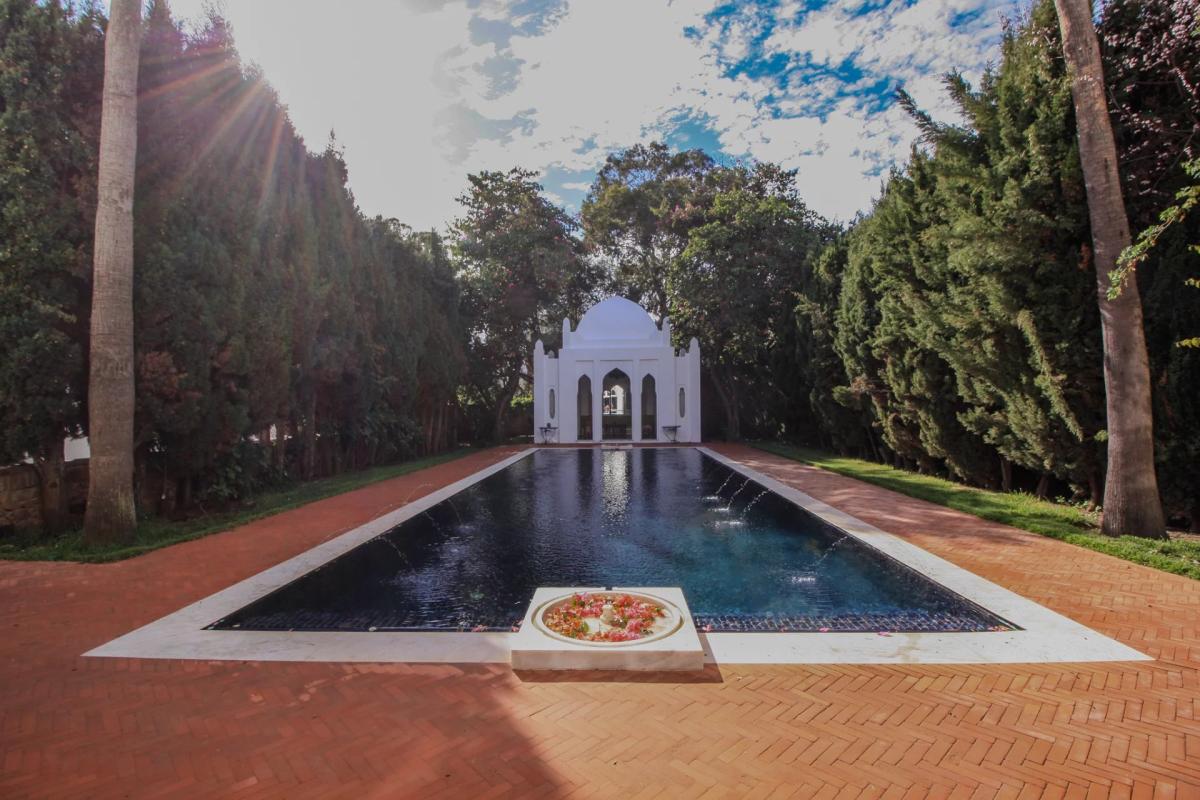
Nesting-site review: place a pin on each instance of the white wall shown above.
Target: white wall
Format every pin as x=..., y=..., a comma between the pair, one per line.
x=561, y=372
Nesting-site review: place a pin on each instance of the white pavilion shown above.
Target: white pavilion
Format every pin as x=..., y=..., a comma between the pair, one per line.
x=618, y=368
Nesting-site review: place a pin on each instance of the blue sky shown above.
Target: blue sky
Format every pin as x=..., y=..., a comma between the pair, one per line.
x=421, y=92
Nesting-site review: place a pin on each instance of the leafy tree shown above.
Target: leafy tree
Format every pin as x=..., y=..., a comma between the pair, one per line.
x=1152, y=69
x=837, y=422
x=900, y=366
x=521, y=272
x=51, y=60
x=279, y=333
x=1018, y=317
x=1151, y=53
x=732, y=285
x=637, y=216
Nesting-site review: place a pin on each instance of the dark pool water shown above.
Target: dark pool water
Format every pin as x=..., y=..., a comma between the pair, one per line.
x=747, y=559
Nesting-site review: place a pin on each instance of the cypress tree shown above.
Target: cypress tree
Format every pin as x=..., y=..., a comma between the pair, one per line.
x=49, y=125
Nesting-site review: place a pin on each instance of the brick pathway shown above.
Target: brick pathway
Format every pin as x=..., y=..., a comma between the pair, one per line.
x=99, y=728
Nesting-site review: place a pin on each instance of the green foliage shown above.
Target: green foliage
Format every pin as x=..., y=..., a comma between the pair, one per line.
x=638, y=214
x=1152, y=68
x=521, y=272
x=899, y=362
x=1186, y=199
x=752, y=242
x=722, y=251
x=808, y=354
x=51, y=67
x=967, y=320
x=282, y=335
x=1055, y=520
x=264, y=300
x=1019, y=315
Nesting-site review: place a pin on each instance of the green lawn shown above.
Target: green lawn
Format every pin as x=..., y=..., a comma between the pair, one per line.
x=1058, y=521
x=155, y=532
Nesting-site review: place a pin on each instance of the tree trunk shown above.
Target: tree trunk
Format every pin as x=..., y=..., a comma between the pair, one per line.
x=729, y=402
x=876, y=451
x=500, y=417
x=438, y=420
x=1131, y=501
x=183, y=494
x=52, y=487
x=1043, y=486
x=308, y=453
x=502, y=405
x=111, y=514
x=439, y=435
x=279, y=452
x=1095, y=489
x=1005, y=474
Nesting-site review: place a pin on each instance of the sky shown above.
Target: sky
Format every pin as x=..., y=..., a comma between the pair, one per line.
x=421, y=93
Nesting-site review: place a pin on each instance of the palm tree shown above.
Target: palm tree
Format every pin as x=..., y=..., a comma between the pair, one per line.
x=1131, y=501
x=111, y=515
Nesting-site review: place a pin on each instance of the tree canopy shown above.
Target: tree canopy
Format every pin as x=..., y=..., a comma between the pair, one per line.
x=280, y=333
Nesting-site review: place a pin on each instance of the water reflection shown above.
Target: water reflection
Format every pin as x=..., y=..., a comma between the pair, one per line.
x=589, y=517
x=616, y=482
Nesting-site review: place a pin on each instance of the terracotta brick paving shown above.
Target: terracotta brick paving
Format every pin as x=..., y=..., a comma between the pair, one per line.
x=101, y=728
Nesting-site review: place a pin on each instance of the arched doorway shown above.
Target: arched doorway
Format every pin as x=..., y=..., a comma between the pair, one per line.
x=615, y=407
x=649, y=408
x=584, y=398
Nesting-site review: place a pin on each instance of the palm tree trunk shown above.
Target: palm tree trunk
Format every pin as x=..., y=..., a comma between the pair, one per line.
x=1131, y=501
x=111, y=515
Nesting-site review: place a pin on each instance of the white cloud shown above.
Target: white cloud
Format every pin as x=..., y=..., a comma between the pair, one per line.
x=830, y=131
x=912, y=44
x=422, y=92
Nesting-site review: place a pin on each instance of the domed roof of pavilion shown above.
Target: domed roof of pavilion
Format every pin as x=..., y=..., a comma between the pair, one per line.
x=616, y=318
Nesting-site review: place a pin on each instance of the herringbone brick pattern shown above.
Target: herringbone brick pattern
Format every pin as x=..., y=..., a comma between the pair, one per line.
x=98, y=728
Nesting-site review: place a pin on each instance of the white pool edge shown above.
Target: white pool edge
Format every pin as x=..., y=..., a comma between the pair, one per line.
x=182, y=634
x=1046, y=636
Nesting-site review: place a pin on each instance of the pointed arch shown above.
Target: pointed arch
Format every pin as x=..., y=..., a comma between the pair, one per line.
x=616, y=410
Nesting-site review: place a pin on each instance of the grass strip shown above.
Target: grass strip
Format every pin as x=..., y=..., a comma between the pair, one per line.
x=1018, y=509
x=155, y=532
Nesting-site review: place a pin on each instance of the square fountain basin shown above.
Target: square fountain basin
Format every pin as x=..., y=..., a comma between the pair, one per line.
x=533, y=649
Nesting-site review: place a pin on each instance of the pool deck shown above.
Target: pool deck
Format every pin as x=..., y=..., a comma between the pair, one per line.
x=101, y=728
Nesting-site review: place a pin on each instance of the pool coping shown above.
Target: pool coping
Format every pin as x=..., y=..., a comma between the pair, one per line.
x=1045, y=635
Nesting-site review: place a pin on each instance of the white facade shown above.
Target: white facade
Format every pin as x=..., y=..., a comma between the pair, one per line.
x=616, y=378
